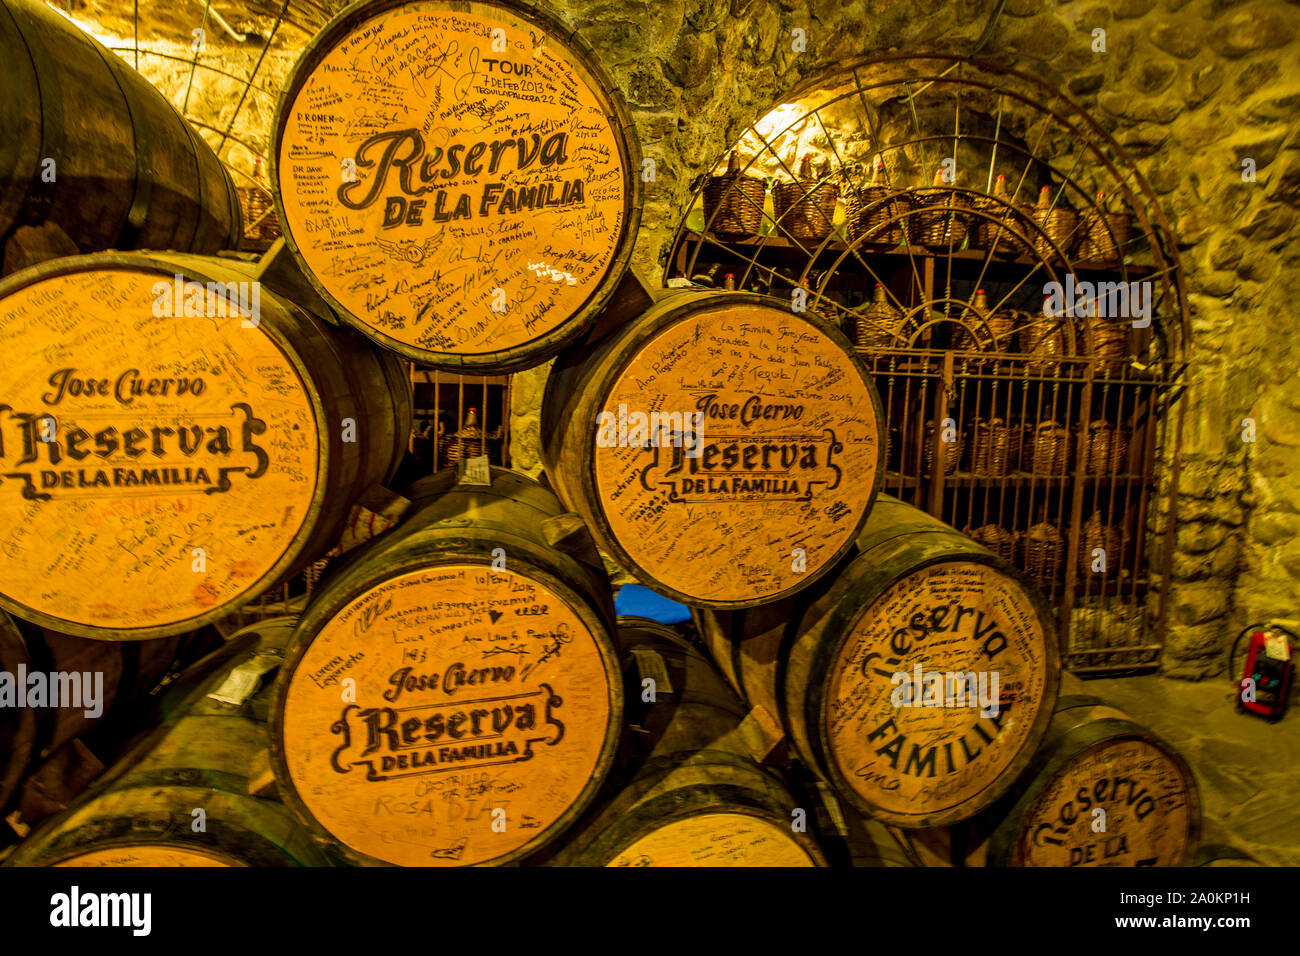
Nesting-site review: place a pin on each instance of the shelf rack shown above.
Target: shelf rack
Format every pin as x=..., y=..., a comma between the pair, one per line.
x=946, y=361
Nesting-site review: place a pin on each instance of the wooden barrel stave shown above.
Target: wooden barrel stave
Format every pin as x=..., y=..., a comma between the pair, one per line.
x=202, y=756
x=444, y=552
x=786, y=656
x=636, y=504
x=308, y=380
x=137, y=176
x=129, y=672
x=847, y=837
x=689, y=792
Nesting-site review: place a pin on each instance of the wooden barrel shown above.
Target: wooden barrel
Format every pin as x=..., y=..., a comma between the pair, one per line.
x=847, y=837
x=452, y=694
x=690, y=792
x=196, y=456
x=206, y=755
x=768, y=488
x=459, y=180
x=1092, y=756
x=119, y=674
x=1095, y=756
x=93, y=156
x=828, y=668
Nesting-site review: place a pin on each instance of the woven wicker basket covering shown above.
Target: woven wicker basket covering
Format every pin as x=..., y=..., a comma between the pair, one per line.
x=944, y=218
x=931, y=441
x=1016, y=444
x=1043, y=550
x=456, y=447
x=1099, y=535
x=997, y=539
x=255, y=204
x=733, y=202
x=1109, y=339
x=1103, y=236
x=1049, y=449
x=875, y=327
x=1107, y=449
x=1060, y=226
x=1011, y=231
x=805, y=207
x=991, y=447
x=1057, y=222
x=996, y=331
x=1044, y=339
x=879, y=216
x=469, y=442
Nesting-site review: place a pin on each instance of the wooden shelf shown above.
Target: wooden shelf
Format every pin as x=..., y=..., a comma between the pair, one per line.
x=786, y=248
x=430, y=376
x=1022, y=479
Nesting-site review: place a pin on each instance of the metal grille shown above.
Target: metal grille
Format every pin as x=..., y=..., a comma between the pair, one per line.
x=443, y=401
x=1042, y=430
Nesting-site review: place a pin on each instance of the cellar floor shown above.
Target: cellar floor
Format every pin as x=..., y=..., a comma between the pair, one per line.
x=1247, y=769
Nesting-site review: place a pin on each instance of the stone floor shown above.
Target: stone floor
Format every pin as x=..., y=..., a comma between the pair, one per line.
x=1248, y=769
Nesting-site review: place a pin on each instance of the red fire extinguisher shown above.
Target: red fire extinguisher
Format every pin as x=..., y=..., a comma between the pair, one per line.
x=1265, y=680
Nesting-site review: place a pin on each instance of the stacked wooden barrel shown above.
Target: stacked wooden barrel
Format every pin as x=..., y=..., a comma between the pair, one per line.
x=185, y=794
x=34, y=716
x=452, y=695
x=917, y=603
x=470, y=202
x=1102, y=790
x=690, y=792
x=94, y=157
x=174, y=431
x=753, y=429
x=459, y=187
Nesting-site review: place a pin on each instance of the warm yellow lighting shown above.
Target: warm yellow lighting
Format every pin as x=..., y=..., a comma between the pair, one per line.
x=90, y=29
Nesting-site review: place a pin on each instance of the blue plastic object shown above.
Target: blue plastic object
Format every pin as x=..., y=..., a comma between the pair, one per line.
x=633, y=600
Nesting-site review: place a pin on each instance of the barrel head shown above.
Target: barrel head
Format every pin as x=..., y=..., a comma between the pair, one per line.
x=720, y=839
x=936, y=690
x=156, y=467
x=446, y=715
x=776, y=460
x=459, y=180
x=146, y=854
x=1146, y=792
